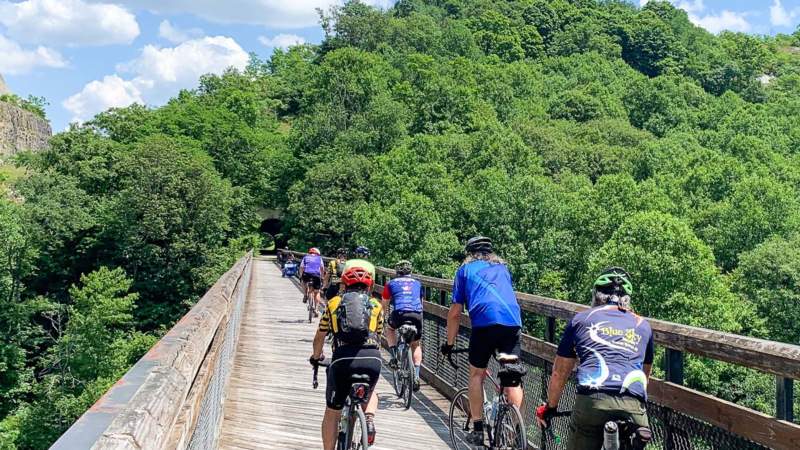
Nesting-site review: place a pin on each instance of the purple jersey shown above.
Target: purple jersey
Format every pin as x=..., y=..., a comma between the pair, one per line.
x=312, y=264
x=612, y=347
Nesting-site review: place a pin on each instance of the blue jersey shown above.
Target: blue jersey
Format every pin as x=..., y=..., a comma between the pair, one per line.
x=612, y=347
x=405, y=294
x=486, y=291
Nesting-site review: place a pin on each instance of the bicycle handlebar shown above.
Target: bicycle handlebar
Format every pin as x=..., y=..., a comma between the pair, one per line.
x=452, y=352
x=314, y=381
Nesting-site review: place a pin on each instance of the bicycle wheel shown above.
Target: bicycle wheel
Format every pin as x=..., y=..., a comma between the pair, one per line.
x=460, y=420
x=358, y=434
x=397, y=383
x=310, y=310
x=408, y=376
x=509, y=429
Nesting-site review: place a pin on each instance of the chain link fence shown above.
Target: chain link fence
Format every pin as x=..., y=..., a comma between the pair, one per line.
x=672, y=430
x=209, y=420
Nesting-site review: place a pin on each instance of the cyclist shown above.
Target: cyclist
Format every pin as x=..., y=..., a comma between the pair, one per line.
x=333, y=276
x=311, y=272
x=483, y=285
x=356, y=321
x=405, y=295
x=362, y=253
x=615, y=350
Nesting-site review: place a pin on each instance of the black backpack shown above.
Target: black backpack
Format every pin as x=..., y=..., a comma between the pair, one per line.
x=352, y=317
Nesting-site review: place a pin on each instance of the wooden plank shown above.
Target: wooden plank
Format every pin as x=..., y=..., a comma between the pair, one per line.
x=270, y=402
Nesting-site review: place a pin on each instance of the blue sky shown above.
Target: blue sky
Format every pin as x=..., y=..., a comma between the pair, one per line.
x=84, y=56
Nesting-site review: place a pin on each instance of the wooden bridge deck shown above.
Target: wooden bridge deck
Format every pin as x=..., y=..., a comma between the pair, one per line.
x=270, y=402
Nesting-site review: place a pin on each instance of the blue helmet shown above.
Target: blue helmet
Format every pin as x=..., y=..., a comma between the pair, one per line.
x=362, y=251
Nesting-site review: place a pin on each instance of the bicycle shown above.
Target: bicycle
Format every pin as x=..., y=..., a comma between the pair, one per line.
x=617, y=434
x=404, y=375
x=310, y=306
x=353, y=424
x=503, y=422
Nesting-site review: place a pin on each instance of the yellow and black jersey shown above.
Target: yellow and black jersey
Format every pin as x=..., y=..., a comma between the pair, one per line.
x=329, y=323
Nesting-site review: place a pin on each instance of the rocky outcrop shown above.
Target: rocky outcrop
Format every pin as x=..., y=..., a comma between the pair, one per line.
x=3, y=87
x=21, y=130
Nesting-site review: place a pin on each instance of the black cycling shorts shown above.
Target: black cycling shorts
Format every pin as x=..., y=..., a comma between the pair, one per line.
x=485, y=341
x=313, y=279
x=398, y=318
x=348, y=361
x=332, y=291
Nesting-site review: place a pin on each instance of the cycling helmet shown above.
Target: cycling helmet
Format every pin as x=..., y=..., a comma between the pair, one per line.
x=313, y=251
x=403, y=268
x=357, y=275
x=341, y=252
x=479, y=244
x=362, y=251
x=612, y=286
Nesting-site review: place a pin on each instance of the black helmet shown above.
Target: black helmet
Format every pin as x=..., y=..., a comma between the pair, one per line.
x=341, y=252
x=362, y=251
x=478, y=244
x=403, y=268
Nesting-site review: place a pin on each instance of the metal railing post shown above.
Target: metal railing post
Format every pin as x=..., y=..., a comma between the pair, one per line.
x=550, y=331
x=673, y=366
x=784, y=398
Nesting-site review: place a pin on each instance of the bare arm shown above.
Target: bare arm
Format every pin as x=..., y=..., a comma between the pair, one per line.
x=562, y=369
x=319, y=343
x=453, y=322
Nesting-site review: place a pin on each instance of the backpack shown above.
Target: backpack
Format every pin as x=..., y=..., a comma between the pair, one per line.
x=352, y=318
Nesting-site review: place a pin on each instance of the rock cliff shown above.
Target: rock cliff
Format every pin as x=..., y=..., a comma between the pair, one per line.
x=21, y=130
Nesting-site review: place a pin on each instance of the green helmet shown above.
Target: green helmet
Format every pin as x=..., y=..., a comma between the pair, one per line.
x=614, y=277
x=403, y=268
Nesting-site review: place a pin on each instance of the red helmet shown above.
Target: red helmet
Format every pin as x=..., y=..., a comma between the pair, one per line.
x=313, y=251
x=357, y=275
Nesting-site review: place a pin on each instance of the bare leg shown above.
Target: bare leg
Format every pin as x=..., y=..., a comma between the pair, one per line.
x=514, y=395
x=391, y=336
x=417, y=349
x=372, y=403
x=330, y=428
x=476, y=377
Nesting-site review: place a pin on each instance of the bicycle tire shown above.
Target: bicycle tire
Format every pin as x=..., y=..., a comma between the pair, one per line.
x=510, y=422
x=396, y=382
x=310, y=311
x=408, y=375
x=459, y=426
x=358, y=442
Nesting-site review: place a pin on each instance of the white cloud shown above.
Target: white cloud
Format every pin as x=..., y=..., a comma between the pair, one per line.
x=158, y=73
x=780, y=17
x=68, y=22
x=713, y=22
x=175, y=34
x=726, y=20
x=273, y=13
x=16, y=60
x=283, y=41
x=98, y=96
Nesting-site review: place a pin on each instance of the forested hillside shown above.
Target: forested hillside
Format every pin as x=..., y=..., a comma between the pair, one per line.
x=576, y=133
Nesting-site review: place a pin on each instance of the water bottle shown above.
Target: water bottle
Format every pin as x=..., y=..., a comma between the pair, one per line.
x=495, y=403
x=610, y=436
x=487, y=411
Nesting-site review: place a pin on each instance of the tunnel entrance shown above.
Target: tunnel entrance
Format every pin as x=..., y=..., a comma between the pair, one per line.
x=271, y=228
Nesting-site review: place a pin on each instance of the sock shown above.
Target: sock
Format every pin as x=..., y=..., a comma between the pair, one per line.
x=478, y=425
x=416, y=369
x=370, y=416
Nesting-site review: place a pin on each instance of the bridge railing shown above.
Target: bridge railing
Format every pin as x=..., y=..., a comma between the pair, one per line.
x=682, y=418
x=172, y=397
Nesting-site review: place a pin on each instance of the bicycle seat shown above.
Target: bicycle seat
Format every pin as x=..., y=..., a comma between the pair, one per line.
x=408, y=330
x=505, y=358
x=356, y=378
